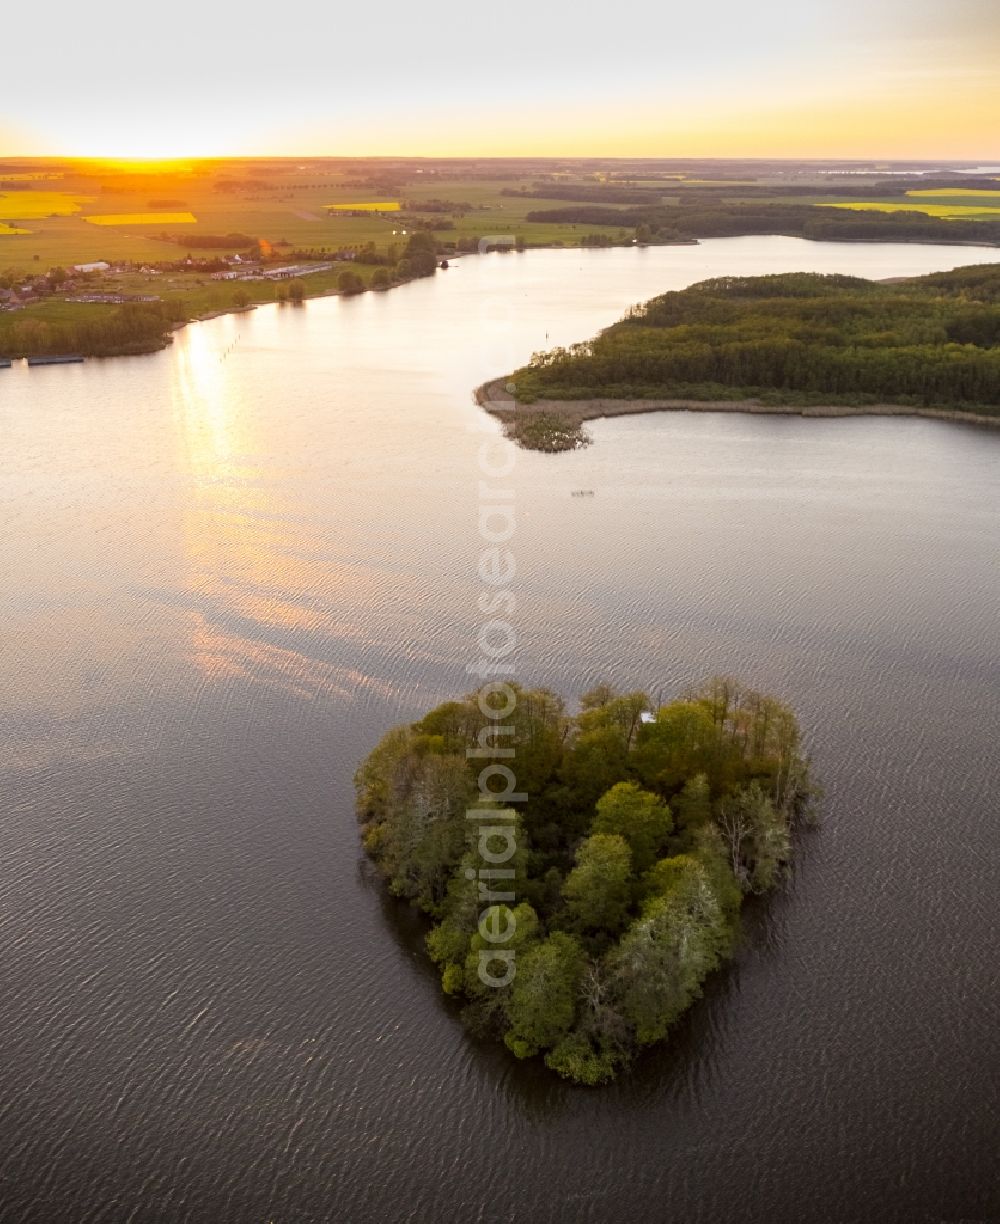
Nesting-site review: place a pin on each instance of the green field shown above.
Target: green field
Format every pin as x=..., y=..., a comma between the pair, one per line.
x=292, y=210
x=56, y=214
x=64, y=213
x=59, y=213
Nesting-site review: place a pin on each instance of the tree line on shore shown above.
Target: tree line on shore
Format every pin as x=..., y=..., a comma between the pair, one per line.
x=703, y=217
x=140, y=327
x=624, y=865
x=650, y=192
x=798, y=338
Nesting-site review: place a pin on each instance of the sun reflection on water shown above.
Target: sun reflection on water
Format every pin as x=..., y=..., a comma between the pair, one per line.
x=205, y=404
x=259, y=573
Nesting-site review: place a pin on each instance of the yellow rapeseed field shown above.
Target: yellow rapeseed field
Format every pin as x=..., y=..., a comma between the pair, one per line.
x=144, y=218
x=20, y=205
x=378, y=206
x=942, y=192
x=948, y=211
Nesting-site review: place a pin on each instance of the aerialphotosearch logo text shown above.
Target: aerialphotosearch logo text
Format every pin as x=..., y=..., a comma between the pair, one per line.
x=494, y=667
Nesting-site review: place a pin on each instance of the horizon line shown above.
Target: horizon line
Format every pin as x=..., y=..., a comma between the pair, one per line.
x=757, y=157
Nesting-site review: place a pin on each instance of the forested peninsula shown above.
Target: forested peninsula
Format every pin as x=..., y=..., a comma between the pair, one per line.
x=799, y=342
x=578, y=919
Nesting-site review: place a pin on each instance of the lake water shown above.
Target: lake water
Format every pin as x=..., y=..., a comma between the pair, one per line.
x=231, y=566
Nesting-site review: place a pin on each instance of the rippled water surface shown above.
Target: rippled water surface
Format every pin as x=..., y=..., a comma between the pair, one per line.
x=231, y=566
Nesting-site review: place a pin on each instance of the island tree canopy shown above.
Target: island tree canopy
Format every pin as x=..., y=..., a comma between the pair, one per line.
x=620, y=872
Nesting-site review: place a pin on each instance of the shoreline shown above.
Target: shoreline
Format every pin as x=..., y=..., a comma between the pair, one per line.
x=203, y=316
x=495, y=398
x=579, y=410
x=333, y=291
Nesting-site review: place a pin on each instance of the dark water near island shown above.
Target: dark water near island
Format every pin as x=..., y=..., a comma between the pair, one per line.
x=231, y=566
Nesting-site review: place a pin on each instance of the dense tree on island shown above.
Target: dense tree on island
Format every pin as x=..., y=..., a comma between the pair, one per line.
x=623, y=867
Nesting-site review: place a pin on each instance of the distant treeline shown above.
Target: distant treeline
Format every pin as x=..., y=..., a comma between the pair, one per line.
x=228, y=242
x=651, y=193
x=586, y=194
x=438, y=206
x=242, y=184
x=795, y=338
x=710, y=220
